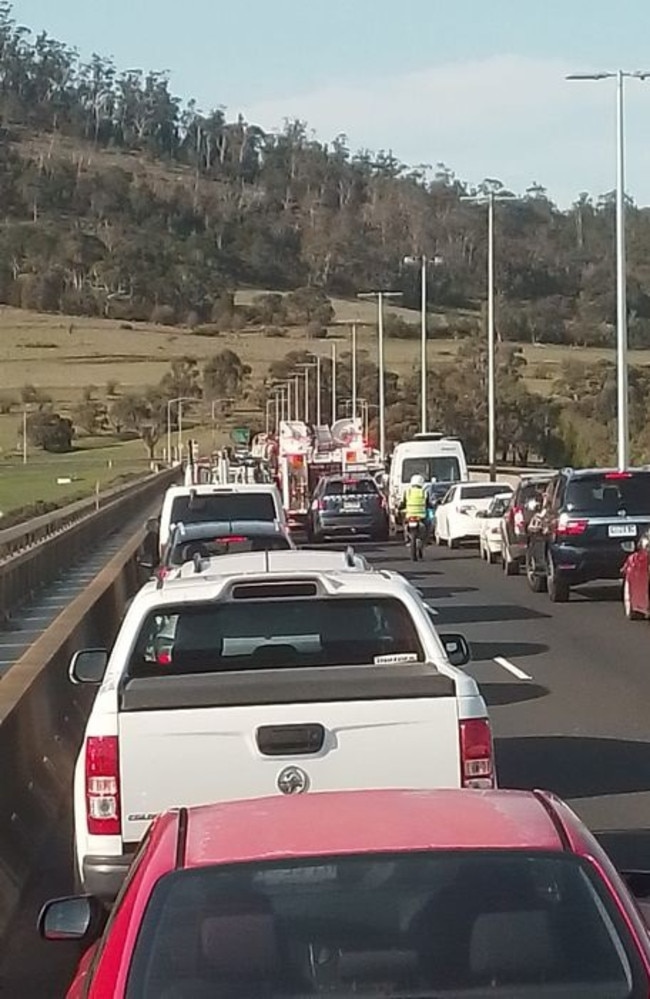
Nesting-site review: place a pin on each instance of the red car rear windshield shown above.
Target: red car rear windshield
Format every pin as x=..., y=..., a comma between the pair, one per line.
x=262, y=634
x=485, y=925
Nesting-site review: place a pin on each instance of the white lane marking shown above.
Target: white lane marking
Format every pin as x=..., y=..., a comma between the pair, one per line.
x=506, y=664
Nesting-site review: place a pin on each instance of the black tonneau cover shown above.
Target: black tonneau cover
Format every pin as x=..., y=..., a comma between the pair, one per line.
x=305, y=685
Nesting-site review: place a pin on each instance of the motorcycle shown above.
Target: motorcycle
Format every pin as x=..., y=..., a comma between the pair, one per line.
x=416, y=531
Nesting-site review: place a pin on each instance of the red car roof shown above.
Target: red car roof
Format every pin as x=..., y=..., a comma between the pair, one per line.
x=368, y=821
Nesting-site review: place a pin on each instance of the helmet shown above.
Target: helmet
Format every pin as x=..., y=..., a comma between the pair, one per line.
x=417, y=480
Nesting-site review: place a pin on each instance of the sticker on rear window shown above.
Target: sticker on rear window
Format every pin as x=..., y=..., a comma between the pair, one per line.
x=397, y=657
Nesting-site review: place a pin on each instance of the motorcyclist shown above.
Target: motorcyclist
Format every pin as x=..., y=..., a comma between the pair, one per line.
x=416, y=504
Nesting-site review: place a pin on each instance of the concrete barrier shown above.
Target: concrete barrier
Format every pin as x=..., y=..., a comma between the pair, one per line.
x=26, y=571
x=42, y=719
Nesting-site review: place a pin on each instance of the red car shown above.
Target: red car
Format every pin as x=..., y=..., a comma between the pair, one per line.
x=636, y=581
x=477, y=894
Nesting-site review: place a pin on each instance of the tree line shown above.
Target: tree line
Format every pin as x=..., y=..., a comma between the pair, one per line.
x=201, y=203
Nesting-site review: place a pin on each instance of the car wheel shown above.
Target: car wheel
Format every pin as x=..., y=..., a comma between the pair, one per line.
x=510, y=566
x=452, y=543
x=536, y=580
x=630, y=613
x=558, y=588
x=490, y=556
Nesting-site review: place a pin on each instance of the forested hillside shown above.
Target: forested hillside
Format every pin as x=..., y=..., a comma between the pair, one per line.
x=121, y=199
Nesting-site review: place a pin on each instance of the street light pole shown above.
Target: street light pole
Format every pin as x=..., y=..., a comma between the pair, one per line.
x=492, y=416
x=490, y=198
x=619, y=75
x=380, y=296
x=354, y=371
x=318, y=391
x=333, y=383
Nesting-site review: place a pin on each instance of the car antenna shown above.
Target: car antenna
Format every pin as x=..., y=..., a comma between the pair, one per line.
x=191, y=499
x=349, y=557
x=266, y=560
x=197, y=562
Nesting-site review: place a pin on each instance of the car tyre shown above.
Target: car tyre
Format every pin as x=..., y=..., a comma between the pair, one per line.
x=453, y=543
x=490, y=556
x=536, y=581
x=558, y=588
x=630, y=613
x=510, y=566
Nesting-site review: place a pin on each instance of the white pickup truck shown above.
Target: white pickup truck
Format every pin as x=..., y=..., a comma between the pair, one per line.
x=277, y=672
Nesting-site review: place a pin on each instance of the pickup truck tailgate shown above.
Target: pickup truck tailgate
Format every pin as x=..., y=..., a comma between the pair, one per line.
x=199, y=753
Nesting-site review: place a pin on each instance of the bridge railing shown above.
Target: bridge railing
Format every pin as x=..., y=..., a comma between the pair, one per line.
x=34, y=554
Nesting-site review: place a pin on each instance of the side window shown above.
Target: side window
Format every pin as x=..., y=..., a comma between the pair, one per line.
x=551, y=489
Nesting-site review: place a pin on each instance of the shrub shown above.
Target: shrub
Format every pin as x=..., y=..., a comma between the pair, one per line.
x=50, y=431
x=274, y=331
x=7, y=403
x=163, y=315
x=31, y=395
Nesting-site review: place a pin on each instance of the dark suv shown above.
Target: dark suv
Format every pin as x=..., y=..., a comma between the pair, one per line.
x=347, y=505
x=588, y=525
x=526, y=501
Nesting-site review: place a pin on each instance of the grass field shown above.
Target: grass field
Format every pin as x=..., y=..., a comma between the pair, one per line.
x=61, y=355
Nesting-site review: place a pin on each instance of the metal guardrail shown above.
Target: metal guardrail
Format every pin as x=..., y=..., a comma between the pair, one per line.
x=35, y=553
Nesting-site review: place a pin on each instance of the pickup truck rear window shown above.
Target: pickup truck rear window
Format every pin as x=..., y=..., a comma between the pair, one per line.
x=465, y=924
x=211, y=547
x=266, y=634
x=223, y=506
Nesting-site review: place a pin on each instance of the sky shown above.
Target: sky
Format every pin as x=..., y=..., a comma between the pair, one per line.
x=478, y=86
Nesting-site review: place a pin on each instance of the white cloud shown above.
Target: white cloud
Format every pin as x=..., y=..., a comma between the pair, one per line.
x=507, y=116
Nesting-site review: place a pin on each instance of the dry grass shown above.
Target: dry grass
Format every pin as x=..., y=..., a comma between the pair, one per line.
x=61, y=355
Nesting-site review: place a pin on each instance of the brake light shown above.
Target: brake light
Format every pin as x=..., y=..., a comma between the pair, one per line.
x=567, y=528
x=618, y=475
x=476, y=753
x=235, y=539
x=103, y=786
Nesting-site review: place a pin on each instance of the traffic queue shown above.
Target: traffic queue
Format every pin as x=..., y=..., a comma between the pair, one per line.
x=287, y=783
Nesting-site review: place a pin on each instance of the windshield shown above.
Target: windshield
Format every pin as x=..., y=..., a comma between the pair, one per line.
x=487, y=924
x=439, y=468
x=258, y=634
x=223, y=506
x=211, y=547
x=604, y=494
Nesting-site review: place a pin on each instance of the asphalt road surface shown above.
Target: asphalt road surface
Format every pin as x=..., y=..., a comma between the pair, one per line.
x=568, y=687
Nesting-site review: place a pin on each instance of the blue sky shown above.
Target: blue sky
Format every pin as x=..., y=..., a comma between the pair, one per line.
x=476, y=85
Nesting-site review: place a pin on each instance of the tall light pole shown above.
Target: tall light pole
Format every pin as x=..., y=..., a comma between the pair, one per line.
x=423, y=263
x=380, y=296
x=354, y=370
x=489, y=199
x=333, y=383
x=170, y=402
x=623, y=441
x=306, y=366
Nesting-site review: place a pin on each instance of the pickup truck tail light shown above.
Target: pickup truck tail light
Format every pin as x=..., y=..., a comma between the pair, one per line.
x=518, y=520
x=476, y=753
x=103, y=786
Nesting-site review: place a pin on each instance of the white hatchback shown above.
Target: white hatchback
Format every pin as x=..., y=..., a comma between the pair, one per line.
x=457, y=516
x=489, y=541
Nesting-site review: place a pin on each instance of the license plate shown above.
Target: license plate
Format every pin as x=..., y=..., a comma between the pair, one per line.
x=622, y=530
x=352, y=507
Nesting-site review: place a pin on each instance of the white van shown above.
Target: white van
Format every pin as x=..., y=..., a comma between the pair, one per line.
x=437, y=458
x=241, y=501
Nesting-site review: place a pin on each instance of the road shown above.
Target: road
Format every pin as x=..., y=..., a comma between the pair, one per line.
x=569, y=692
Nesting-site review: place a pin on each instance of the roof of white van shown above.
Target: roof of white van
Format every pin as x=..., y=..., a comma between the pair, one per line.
x=209, y=488
x=428, y=446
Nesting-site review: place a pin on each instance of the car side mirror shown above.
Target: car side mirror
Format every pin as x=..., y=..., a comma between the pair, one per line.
x=79, y=918
x=152, y=525
x=457, y=649
x=88, y=666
